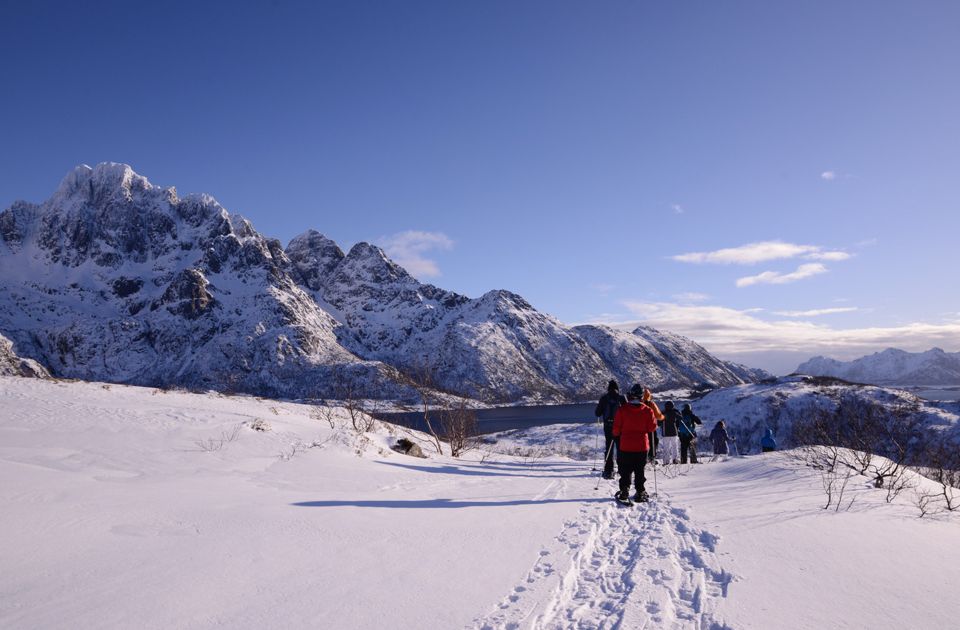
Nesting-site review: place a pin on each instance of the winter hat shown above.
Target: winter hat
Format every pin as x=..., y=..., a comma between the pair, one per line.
x=613, y=387
x=669, y=405
x=636, y=392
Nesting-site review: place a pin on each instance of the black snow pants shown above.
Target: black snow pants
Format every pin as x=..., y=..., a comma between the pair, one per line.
x=609, y=453
x=632, y=463
x=688, y=444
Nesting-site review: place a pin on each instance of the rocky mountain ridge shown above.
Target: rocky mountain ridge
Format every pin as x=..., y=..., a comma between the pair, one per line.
x=116, y=279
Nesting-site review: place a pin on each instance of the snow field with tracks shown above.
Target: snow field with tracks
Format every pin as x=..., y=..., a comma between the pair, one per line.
x=127, y=506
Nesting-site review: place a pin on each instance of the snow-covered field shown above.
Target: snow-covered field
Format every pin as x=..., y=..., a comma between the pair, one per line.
x=128, y=507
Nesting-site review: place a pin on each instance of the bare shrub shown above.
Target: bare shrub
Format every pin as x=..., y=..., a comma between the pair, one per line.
x=211, y=445
x=459, y=426
x=835, y=485
x=926, y=502
x=325, y=414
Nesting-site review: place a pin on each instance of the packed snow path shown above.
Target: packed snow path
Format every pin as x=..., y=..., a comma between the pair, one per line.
x=644, y=566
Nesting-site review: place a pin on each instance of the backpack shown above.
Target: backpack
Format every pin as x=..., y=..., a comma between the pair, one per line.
x=610, y=406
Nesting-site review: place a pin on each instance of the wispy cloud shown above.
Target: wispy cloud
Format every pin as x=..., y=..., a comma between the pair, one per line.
x=753, y=253
x=408, y=250
x=817, y=312
x=775, y=277
x=691, y=297
x=828, y=175
x=732, y=332
x=677, y=208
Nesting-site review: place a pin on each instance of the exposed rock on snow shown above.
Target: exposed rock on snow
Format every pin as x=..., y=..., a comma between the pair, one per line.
x=115, y=279
x=12, y=365
x=891, y=367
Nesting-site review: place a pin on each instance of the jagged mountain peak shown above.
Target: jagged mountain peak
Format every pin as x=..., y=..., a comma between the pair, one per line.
x=107, y=180
x=178, y=290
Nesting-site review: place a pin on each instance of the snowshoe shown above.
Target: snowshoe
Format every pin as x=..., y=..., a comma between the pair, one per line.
x=641, y=497
x=623, y=499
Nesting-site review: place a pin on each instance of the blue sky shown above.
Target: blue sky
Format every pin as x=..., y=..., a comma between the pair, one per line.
x=578, y=153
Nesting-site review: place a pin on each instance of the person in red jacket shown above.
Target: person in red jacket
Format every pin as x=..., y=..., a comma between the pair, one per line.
x=633, y=424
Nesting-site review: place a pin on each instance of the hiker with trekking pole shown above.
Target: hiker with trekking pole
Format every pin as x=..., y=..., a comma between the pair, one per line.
x=632, y=425
x=605, y=411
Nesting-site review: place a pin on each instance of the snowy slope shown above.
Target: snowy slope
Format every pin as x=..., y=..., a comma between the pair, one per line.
x=120, y=510
x=891, y=367
x=116, y=279
x=777, y=403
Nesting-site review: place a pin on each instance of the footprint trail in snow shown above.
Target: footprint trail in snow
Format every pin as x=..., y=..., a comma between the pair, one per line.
x=625, y=568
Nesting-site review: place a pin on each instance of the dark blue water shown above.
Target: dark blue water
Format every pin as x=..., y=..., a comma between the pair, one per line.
x=506, y=418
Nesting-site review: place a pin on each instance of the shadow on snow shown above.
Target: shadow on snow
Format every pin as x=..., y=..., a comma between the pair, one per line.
x=442, y=503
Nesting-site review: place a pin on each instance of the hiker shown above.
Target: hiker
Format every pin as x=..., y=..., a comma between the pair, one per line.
x=767, y=443
x=688, y=434
x=720, y=437
x=632, y=425
x=607, y=409
x=655, y=442
x=670, y=444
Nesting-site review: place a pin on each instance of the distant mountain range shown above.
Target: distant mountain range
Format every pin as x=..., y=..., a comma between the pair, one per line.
x=116, y=279
x=891, y=367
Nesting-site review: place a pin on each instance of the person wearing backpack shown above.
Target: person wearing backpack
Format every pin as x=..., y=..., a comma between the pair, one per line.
x=688, y=434
x=632, y=425
x=607, y=409
x=720, y=437
x=670, y=443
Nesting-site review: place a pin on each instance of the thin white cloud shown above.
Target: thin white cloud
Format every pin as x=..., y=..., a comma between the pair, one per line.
x=677, y=208
x=774, y=277
x=817, y=312
x=732, y=332
x=691, y=297
x=830, y=256
x=828, y=175
x=408, y=250
x=764, y=251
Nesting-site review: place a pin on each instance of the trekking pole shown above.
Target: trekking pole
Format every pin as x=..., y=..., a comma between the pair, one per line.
x=655, y=489
x=609, y=448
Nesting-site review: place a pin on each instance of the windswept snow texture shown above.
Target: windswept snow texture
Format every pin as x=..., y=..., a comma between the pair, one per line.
x=129, y=507
x=891, y=367
x=116, y=279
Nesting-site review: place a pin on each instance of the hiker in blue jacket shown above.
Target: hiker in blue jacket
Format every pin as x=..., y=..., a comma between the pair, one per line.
x=767, y=443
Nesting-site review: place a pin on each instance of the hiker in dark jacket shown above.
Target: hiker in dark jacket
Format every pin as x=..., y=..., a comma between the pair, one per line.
x=670, y=444
x=767, y=443
x=633, y=424
x=607, y=409
x=688, y=434
x=720, y=437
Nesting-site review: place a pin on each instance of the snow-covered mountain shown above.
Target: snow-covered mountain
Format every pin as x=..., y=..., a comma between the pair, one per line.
x=892, y=366
x=116, y=279
x=670, y=361
x=779, y=403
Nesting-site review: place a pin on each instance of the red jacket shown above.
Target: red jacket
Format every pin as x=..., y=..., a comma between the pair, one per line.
x=633, y=424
